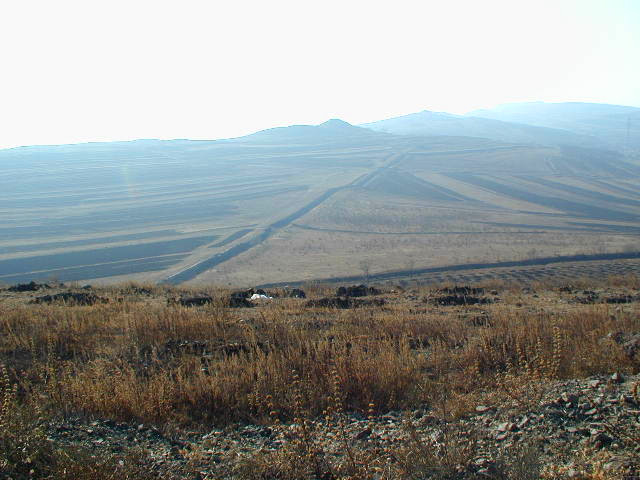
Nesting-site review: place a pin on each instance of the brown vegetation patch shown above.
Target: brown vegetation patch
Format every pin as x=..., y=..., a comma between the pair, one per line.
x=141, y=361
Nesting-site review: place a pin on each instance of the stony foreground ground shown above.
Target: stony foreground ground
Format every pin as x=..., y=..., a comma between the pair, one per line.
x=573, y=425
x=517, y=422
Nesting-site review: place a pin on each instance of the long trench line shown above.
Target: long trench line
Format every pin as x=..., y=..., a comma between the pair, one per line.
x=192, y=271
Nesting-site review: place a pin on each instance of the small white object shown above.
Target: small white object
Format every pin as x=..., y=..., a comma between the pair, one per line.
x=257, y=296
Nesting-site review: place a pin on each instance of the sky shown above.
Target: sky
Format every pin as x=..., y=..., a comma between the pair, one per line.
x=78, y=71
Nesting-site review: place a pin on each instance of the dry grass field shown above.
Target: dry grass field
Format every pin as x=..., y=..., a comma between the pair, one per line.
x=377, y=231
x=135, y=385
x=139, y=210
x=303, y=203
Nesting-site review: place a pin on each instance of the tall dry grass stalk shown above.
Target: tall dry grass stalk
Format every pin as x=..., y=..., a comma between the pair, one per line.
x=140, y=359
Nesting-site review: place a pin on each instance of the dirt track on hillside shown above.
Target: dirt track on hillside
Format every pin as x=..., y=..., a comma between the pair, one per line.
x=569, y=272
x=526, y=271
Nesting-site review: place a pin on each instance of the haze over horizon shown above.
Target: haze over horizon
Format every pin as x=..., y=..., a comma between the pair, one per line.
x=82, y=71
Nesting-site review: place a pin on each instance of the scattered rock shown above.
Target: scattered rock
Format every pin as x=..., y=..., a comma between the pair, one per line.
x=620, y=299
x=416, y=343
x=329, y=302
x=450, y=300
x=362, y=434
x=558, y=435
x=481, y=320
x=506, y=427
x=590, y=297
x=568, y=397
x=628, y=400
x=197, y=347
x=240, y=299
x=617, y=378
x=632, y=346
x=483, y=409
x=586, y=299
x=600, y=439
x=295, y=293
x=258, y=297
x=344, y=302
x=357, y=291
x=621, y=464
x=239, y=303
x=72, y=298
x=28, y=287
x=195, y=301
x=235, y=348
x=463, y=290
x=630, y=342
x=243, y=293
x=135, y=290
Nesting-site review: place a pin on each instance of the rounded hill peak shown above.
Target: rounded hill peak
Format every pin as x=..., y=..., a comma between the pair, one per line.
x=335, y=123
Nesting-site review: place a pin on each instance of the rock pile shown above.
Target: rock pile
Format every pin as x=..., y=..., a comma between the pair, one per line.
x=344, y=302
x=357, y=291
x=449, y=300
x=72, y=298
x=28, y=287
x=196, y=301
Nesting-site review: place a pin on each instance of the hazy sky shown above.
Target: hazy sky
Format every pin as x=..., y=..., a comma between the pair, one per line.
x=74, y=71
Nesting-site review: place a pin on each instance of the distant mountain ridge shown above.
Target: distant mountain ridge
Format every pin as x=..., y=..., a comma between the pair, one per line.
x=428, y=123
x=184, y=210
x=587, y=125
x=618, y=126
x=331, y=130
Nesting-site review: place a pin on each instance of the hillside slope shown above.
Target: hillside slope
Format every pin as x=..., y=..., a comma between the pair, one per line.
x=305, y=202
x=437, y=123
x=616, y=125
x=331, y=131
